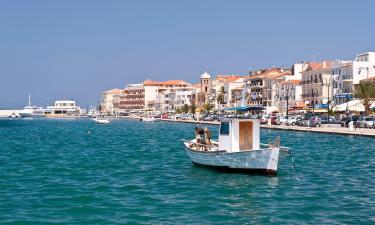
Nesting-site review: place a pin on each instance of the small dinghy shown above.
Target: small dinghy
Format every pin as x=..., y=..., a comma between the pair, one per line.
x=101, y=120
x=149, y=119
x=238, y=149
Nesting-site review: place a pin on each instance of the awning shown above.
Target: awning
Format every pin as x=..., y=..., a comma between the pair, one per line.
x=355, y=105
x=245, y=108
x=320, y=110
x=372, y=106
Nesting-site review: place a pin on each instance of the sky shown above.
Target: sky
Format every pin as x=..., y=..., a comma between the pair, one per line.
x=76, y=49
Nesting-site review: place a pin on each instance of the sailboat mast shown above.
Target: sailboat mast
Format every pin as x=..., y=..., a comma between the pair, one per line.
x=29, y=99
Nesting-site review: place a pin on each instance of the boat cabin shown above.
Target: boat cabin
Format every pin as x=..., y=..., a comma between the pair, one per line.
x=239, y=135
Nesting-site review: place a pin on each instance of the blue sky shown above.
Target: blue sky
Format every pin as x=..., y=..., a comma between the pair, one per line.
x=76, y=49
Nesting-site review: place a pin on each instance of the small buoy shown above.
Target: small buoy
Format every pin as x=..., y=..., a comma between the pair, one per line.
x=89, y=132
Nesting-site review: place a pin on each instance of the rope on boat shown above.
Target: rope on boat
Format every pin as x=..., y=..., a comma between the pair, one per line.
x=294, y=165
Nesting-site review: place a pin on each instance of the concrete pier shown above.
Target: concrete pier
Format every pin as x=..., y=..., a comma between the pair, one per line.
x=328, y=130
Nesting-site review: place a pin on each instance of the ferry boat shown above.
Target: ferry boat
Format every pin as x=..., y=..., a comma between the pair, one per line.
x=32, y=111
x=238, y=149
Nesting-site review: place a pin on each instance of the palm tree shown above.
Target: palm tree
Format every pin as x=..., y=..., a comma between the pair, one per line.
x=220, y=97
x=365, y=91
x=185, y=108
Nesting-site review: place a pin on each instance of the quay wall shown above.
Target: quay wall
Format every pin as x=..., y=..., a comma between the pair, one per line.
x=328, y=130
x=9, y=112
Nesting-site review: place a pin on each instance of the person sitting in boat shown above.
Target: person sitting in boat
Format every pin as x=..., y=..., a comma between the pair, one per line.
x=198, y=137
x=207, y=138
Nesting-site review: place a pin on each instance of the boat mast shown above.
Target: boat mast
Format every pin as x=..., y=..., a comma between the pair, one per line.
x=29, y=99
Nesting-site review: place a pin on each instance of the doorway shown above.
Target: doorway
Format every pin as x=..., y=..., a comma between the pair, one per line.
x=246, y=135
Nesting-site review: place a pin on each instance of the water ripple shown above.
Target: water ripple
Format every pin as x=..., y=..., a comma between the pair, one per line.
x=55, y=171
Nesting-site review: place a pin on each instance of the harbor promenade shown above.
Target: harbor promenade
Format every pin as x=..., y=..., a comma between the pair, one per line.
x=328, y=130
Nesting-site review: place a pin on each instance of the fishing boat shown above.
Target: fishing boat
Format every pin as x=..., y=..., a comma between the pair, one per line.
x=238, y=149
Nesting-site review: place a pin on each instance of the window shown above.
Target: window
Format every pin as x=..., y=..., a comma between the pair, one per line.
x=224, y=128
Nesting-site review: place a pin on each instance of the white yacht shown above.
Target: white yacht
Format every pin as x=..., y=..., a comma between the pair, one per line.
x=32, y=111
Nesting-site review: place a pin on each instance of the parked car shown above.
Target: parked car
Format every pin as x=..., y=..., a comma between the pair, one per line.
x=366, y=122
x=315, y=121
x=281, y=120
x=306, y=119
x=292, y=120
x=324, y=119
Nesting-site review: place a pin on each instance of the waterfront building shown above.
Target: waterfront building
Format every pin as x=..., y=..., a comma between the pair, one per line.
x=63, y=108
x=261, y=87
x=346, y=74
x=110, y=101
x=168, y=100
x=132, y=98
x=317, y=84
x=234, y=87
x=289, y=96
x=229, y=83
x=159, y=95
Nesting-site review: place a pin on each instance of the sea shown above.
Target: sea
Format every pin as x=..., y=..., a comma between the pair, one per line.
x=73, y=171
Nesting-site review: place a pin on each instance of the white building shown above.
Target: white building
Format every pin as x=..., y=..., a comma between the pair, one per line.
x=160, y=95
x=63, y=108
x=234, y=88
x=110, y=101
x=348, y=73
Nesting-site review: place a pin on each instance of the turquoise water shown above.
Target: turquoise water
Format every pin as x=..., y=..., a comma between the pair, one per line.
x=56, y=172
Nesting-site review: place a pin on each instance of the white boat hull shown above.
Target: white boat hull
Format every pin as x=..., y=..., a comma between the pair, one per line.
x=101, y=121
x=150, y=119
x=263, y=161
x=30, y=115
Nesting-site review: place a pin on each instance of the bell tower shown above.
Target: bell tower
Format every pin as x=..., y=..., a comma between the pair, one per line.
x=206, y=83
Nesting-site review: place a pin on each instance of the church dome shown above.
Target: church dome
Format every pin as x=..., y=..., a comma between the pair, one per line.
x=205, y=75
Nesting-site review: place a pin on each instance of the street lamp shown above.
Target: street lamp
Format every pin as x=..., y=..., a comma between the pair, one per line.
x=328, y=84
x=287, y=98
x=313, y=94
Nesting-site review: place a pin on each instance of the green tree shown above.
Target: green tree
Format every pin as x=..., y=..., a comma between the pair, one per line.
x=208, y=107
x=193, y=108
x=221, y=96
x=365, y=91
x=178, y=111
x=185, y=109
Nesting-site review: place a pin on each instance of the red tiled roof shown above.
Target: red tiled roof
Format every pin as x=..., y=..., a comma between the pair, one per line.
x=297, y=82
x=270, y=74
x=164, y=83
x=319, y=65
x=225, y=78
